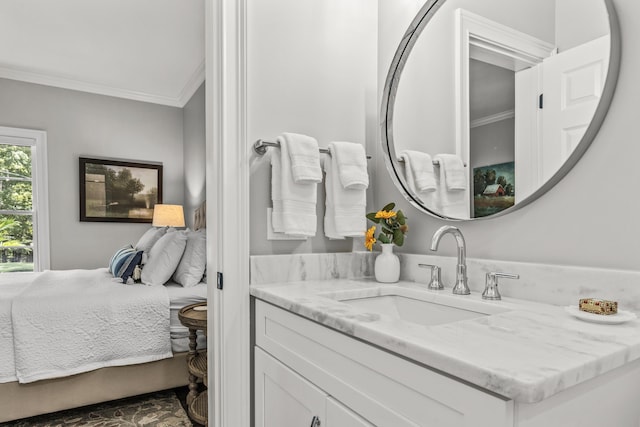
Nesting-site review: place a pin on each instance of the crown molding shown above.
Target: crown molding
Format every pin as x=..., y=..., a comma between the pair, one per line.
x=36, y=77
x=192, y=85
x=493, y=118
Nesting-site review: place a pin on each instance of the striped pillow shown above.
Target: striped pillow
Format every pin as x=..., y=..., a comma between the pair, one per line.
x=118, y=258
x=130, y=262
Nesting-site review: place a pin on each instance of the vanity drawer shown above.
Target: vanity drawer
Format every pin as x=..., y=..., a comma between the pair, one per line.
x=386, y=389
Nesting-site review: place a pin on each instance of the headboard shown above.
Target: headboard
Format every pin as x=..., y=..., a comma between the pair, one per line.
x=200, y=219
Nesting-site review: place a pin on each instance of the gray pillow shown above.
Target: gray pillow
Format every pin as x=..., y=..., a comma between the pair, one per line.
x=194, y=260
x=164, y=257
x=149, y=238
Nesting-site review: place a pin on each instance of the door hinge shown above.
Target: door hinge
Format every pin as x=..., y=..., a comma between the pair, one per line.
x=219, y=281
x=541, y=101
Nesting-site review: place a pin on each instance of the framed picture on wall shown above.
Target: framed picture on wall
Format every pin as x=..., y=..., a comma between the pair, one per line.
x=119, y=190
x=494, y=188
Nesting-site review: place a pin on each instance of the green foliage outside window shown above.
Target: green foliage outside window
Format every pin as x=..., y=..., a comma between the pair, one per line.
x=15, y=194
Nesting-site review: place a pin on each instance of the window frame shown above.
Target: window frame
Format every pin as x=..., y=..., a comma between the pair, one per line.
x=37, y=140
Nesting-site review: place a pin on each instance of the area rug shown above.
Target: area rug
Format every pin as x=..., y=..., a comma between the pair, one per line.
x=160, y=409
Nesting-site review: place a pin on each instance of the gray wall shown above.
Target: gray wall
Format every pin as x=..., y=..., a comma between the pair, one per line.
x=491, y=91
x=193, y=115
x=492, y=144
x=82, y=124
x=312, y=70
x=583, y=220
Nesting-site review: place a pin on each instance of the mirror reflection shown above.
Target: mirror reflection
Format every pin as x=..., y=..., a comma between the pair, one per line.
x=498, y=93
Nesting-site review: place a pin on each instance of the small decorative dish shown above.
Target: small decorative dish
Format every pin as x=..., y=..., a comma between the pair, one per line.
x=611, y=319
x=200, y=308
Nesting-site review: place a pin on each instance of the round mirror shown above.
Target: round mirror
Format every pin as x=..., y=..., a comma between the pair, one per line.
x=493, y=102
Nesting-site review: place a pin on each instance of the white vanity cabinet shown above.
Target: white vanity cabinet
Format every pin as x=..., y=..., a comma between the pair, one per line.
x=303, y=369
x=285, y=399
x=340, y=416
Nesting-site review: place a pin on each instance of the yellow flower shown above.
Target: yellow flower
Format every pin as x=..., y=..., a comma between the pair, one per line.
x=369, y=240
x=385, y=214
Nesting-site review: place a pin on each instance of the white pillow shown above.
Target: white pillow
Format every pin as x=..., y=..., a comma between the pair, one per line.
x=149, y=238
x=164, y=257
x=194, y=260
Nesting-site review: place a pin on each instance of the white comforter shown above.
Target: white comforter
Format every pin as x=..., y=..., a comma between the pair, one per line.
x=68, y=322
x=11, y=284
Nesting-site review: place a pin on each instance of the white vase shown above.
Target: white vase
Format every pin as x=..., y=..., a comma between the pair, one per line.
x=387, y=265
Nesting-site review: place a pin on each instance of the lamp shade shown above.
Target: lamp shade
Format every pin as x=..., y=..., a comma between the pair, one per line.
x=168, y=216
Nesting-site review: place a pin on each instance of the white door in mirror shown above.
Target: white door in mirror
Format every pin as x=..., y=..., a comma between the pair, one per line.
x=573, y=84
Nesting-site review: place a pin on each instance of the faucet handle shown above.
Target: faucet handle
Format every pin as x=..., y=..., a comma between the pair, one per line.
x=435, y=283
x=491, y=284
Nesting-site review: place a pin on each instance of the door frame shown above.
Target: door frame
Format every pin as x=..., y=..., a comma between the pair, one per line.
x=477, y=37
x=227, y=164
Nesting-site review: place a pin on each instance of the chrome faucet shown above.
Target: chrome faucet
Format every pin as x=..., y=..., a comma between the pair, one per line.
x=461, y=287
x=491, y=284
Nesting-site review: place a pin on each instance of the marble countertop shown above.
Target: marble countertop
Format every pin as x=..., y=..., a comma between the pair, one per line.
x=523, y=350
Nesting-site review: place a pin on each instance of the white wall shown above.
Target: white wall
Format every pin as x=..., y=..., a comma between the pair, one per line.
x=311, y=70
x=193, y=115
x=82, y=124
x=583, y=220
x=579, y=21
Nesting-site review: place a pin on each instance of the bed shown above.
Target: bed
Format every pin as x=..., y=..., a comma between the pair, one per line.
x=110, y=340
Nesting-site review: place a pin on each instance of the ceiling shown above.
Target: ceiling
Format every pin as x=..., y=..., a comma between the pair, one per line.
x=146, y=50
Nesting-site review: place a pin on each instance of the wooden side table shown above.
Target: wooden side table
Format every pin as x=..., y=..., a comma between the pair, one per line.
x=194, y=317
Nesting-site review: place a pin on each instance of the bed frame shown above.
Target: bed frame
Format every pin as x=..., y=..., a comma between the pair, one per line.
x=101, y=385
x=42, y=397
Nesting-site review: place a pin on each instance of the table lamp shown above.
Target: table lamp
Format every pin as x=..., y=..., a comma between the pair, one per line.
x=168, y=216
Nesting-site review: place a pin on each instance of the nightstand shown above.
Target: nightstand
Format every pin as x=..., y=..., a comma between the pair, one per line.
x=194, y=317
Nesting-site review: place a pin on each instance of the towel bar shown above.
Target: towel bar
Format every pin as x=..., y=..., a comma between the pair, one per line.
x=435, y=162
x=260, y=147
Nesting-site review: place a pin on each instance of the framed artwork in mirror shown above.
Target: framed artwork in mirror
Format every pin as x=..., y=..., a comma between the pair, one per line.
x=494, y=188
x=119, y=190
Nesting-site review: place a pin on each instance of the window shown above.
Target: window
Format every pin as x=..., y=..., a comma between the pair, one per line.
x=24, y=213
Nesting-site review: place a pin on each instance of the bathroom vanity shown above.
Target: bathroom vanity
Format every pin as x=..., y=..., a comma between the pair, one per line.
x=339, y=352
x=359, y=353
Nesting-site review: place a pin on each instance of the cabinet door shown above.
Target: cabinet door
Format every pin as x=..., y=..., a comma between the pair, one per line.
x=282, y=397
x=388, y=391
x=339, y=415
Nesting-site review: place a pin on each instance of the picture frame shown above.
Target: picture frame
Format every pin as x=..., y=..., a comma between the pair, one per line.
x=494, y=188
x=113, y=190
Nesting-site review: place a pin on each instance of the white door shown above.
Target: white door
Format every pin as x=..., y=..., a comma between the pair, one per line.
x=339, y=415
x=528, y=132
x=285, y=399
x=572, y=83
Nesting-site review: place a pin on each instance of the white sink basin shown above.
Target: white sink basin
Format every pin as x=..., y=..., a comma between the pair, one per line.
x=421, y=307
x=413, y=310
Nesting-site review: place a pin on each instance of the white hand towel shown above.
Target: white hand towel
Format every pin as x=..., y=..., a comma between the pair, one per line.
x=276, y=190
x=298, y=200
x=305, y=158
x=419, y=171
x=345, y=208
x=454, y=173
x=408, y=173
x=351, y=162
x=453, y=204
